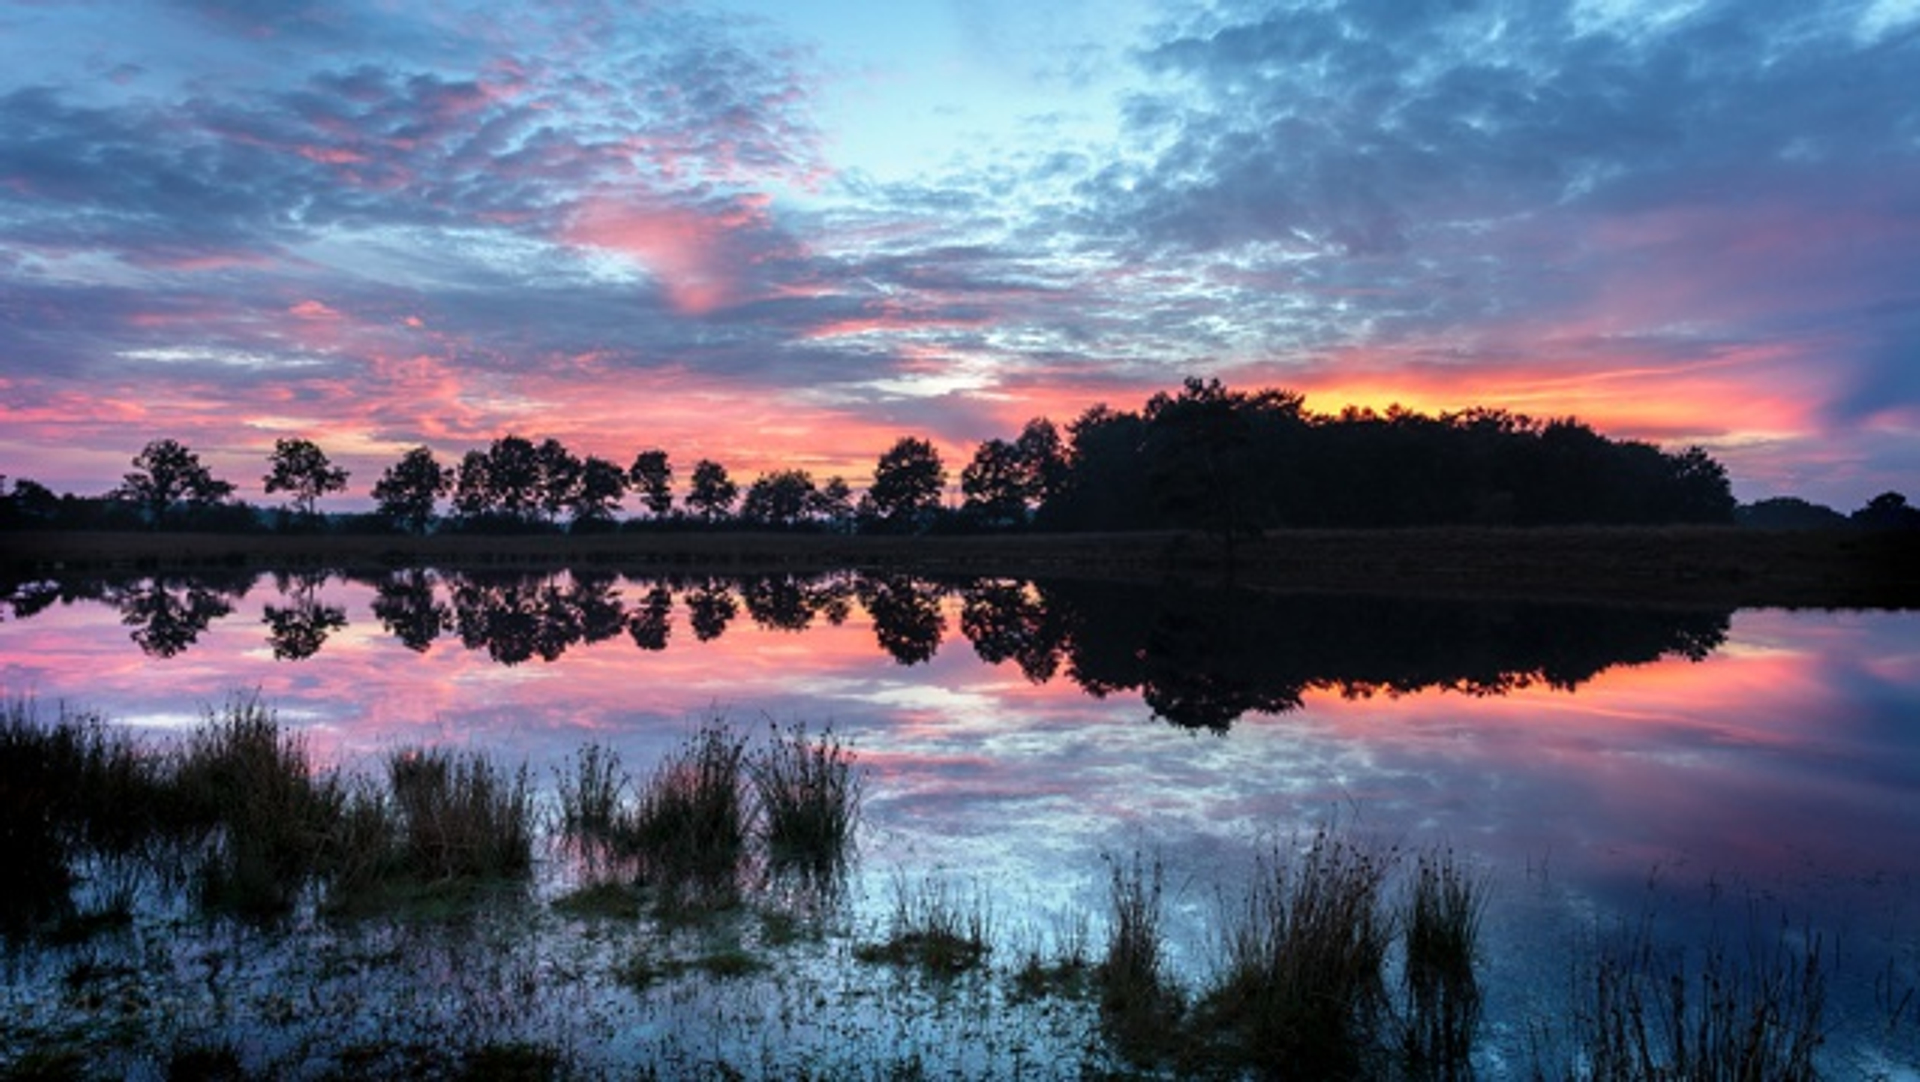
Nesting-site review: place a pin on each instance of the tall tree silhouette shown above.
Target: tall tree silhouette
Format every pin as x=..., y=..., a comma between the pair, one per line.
x=300, y=467
x=409, y=489
x=165, y=473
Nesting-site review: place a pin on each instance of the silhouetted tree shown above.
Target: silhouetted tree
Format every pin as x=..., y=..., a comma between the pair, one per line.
x=780, y=498
x=995, y=485
x=1887, y=511
x=713, y=492
x=1788, y=513
x=652, y=478
x=409, y=489
x=1202, y=465
x=507, y=481
x=832, y=503
x=598, y=494
x=300, y=467
x=166, y=473
x=906, y=484
x=560, y=473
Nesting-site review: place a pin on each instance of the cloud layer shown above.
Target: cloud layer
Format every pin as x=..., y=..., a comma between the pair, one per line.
x=769, y=239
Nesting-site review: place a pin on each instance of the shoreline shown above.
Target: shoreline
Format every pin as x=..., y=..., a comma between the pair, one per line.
x=1678, y=565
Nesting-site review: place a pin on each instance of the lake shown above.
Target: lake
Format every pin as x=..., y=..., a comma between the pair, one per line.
x=1744, y=780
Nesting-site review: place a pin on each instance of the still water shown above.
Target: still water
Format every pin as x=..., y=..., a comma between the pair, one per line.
x=1734, y=775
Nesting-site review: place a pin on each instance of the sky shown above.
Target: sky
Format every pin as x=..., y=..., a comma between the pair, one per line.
x=780, y=233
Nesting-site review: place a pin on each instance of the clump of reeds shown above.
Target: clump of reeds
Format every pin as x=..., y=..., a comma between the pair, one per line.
x=809, y=796
x=1138, y=1006
x=934, y=929
x=461, y=817
x=1304, y=988
x=692, y=816
x=590, y=796
x=1645, y=1018
x=1442, y=935
x=77, y=802
x=267, y=815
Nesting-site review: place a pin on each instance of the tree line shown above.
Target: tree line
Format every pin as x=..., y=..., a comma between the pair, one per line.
x=1204, y=457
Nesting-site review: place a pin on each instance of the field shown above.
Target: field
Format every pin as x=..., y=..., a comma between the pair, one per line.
x=1648, y=565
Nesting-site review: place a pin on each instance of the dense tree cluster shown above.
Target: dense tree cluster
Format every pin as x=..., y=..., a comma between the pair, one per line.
x=1229, y=462
x=1205, y=457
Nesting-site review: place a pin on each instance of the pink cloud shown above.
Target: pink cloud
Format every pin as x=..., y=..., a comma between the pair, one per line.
x=699, y=255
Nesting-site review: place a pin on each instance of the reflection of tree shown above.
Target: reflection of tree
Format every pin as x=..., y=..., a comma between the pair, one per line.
x=710, y=608
x=166, y=618
x=406, y=606
x=297, y=631
x=779, y=602
x=906, y=616
x=652, y=623
x=1008, y=620
x=601, y=615
x=1202, y=658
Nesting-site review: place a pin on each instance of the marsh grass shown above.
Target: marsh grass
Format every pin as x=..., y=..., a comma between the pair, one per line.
x=461, y=816
x=265, y=813
x=691, y=822
x=590, y=794
x=1140, y=1008
x=1645, y=1018
x=77, y=799
x=1304, y=990
x=934, y=929
x=1442, y=935
x=809, y=797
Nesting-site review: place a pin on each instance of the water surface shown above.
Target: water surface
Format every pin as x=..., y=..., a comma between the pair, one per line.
x=1714, y=770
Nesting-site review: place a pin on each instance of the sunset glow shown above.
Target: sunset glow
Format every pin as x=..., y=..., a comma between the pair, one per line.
x=785, y=235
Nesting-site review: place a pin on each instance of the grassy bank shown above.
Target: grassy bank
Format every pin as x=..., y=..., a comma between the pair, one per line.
x=1661, y=565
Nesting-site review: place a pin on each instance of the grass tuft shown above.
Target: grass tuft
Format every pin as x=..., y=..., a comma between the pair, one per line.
x=1644, y=1017
x=934, y=930
x=809, y=797
x=1304, y=989
x=1442, y=939
x=691, y=822
x=461, y=817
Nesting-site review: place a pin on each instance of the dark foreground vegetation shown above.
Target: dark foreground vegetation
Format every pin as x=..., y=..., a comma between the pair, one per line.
x=1341, y=957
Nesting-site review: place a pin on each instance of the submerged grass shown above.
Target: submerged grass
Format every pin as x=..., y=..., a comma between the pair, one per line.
x=934, y=929
x=1645, y=1018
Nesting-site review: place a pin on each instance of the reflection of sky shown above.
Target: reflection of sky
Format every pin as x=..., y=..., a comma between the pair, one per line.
x=1786, y=764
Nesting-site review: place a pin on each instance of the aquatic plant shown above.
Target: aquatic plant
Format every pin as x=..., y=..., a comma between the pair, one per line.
x=264, y=813
x=461, y=816
x=934, y=929
x=691, y=822
x=1442, y=936
x=1304, y=988
x=1139, y=1007
x=1645, y=1018
x=809, y=796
